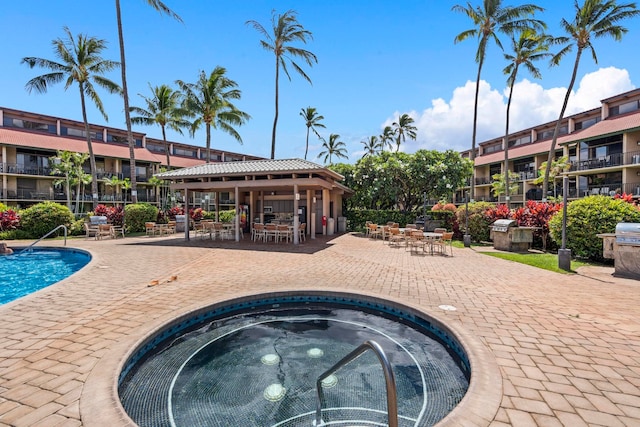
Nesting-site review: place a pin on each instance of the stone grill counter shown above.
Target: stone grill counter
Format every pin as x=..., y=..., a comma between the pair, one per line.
x=507, y=236
x=623, y=247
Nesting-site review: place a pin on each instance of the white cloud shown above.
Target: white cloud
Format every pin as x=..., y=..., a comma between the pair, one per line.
x=448, y=125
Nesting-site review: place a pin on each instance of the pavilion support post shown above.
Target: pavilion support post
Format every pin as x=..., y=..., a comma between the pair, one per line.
x=310, y=206
x=237, y=217
x=325, y=209
x=312, y=229
x=186, y=214
x=296, y=219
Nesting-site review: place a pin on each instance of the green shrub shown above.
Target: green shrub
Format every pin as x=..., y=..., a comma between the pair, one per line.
x=479, y=221
x=77, y=228
x=137, y=214
x=227, y=216
x=588, y=217
x=3, y=207
x=40, y=219
x=14, y=235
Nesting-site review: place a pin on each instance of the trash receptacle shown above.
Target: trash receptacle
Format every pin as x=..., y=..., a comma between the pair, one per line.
x=342, y=224
x=330, y=226
x=180, y=221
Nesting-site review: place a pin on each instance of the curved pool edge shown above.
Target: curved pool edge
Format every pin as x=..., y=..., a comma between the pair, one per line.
x=100, y=403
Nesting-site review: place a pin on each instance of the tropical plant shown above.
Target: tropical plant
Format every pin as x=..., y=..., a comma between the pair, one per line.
x=40, y=219
x=528, y=47
x=372, y=146
x=163, y=109
x=62, y=164
x=588, y=217
x=9, y=220
x=489, y=20
x=558, y=166
x=80, y=180
x=479, y=220
x=404, y=128
x=286, y=30
x=594, y=19
x=80, y=64
x=499, y=186
x=208, y=101
x=312, y=120
x=162, y=8
x=537, y=214
x=333, y=147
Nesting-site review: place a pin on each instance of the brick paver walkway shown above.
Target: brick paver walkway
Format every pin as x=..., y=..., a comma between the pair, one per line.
x=567, y=346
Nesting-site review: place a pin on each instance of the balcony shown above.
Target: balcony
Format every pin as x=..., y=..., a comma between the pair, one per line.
x=483, y=180
x=15, y=168
x=612, y=160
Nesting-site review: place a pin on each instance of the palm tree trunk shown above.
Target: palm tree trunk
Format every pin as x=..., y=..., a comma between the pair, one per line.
x=166, y=147
x=506, y=140
x=275, y=119
x=472, y=156
x=127, y=116
x=92, y=159
x=556, y=131
x=208, y=129
x=306, y=150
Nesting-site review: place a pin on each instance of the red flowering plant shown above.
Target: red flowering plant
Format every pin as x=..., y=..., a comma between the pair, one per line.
x=9, y=220
x=499, y=212
x=196, y=214
x=626, y=197
x=537, y=214
x=114, y=214
x=176, y=210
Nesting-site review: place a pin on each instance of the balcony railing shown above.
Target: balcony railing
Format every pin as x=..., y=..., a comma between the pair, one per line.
x=483, y=181
x=612, y=160
x=36, y=196
x=16, y=168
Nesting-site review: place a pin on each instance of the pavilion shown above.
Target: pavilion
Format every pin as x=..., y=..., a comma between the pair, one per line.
x=287, y=190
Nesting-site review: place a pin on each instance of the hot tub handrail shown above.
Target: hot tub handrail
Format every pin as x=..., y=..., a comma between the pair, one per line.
x=47, y=235
x=390, y=381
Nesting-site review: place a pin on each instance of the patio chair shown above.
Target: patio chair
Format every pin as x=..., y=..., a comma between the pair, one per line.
x=440, y=230
x=284, y=233
x=150, y=228
x=441, y=244
x=257, y=231
x=104, y=230
x=302, y=232
x=374, y=231
x=415, y=240
x=90, y=230
x=395, y=238
x=270, y=231
x=366, y=228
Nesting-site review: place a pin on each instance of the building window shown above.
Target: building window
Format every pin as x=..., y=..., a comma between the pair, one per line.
x=520, y=141
x=156, y=148
x=624, y=108
x=67, y=131
x=586, y=123
x=488, y=149
x=9, y=121
x=184, y=152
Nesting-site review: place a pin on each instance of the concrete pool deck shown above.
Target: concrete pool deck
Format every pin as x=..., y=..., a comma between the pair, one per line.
x=566, y=348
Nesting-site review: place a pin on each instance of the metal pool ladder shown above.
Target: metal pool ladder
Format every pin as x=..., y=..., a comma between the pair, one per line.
x=389, y=378
x=47, y=235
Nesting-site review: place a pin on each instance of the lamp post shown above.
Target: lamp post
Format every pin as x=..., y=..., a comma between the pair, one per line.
x=466, y=238
x=424, y=205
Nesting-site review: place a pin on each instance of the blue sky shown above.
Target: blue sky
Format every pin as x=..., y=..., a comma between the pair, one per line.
x=376, y=60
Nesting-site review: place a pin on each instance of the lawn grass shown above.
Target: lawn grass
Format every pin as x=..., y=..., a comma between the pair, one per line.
x=540, y=260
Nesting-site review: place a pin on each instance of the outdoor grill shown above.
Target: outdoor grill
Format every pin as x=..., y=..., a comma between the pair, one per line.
x=624, y=248
x=507, y=236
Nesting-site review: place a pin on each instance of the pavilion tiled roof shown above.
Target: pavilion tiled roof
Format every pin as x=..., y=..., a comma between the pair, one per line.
x=248, y=167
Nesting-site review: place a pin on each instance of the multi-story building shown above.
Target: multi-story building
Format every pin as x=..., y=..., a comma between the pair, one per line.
x=28, y=141
x=602, y=146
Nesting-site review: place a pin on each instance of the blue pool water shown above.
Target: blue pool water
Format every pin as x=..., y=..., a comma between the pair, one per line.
x=25, y=272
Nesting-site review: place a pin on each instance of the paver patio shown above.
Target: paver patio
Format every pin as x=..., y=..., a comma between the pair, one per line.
x=567, y=346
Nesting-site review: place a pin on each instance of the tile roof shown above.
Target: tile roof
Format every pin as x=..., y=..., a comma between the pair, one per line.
x=54, y=142
x=521, y=151
x=607, y=127
x=249, y=167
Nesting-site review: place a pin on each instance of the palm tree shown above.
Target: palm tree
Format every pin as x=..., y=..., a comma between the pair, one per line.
x=386, y=138
x=371, y=146
x=490, y=19
x=162, y=8
x=596, y=18
x=333, y=148
x=312, y=120
x=403, y=128
x=81, y=64
x=209, y=101
x=163, y=109
x=285, y=31
x=528, y=48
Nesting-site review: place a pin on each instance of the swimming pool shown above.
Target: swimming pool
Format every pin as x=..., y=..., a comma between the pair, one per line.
x=25, y=272
x=255, y=364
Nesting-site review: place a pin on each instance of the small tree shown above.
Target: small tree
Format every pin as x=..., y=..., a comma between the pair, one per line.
x=498, y=184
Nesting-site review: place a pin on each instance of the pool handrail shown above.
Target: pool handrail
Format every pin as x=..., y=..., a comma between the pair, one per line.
x=47, y=235
x=389, y=378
